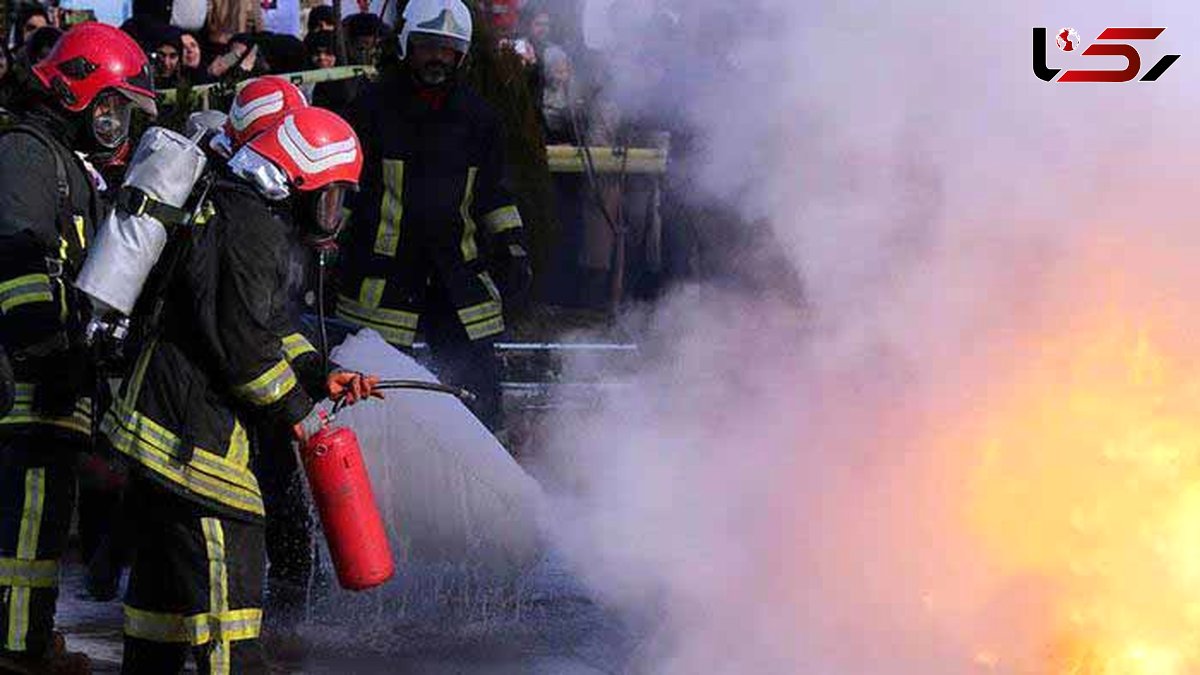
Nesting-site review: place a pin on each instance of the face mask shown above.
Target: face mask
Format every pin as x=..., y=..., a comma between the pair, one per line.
x=111, y=115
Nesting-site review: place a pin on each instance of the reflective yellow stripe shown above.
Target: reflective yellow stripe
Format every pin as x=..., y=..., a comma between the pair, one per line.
x=207, y=211
x=487, y=328
x=269, y=387
x=469, y=250
x=27, y=542
x=475, y=313
x=28, y=573
x=25, y=290
x=370, y=295
x=218, y=589
x=296, y=345
x=22, y=412
x=486, y=280
x=502, y=219
x=133, y=388
x=198, y=629
x=396, y=326
x=239, y=445
x=81, y=232
x=206, y=474
x=31, y=515
x=391, y=211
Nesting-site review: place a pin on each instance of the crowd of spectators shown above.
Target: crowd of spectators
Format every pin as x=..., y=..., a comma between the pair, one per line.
x=194, y=42
x=201, y=41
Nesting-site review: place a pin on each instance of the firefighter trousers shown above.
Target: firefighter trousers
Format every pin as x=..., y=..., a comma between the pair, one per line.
x=289, y=526
x=460, y=361
x=37, y=495
x=196, y=587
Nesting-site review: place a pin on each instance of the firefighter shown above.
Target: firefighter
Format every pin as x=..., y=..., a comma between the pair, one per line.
x=433, y=218
x=89, y=84
x=216, y=368
x=257, y=106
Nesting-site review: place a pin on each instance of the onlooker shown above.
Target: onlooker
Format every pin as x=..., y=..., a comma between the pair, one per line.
x=191, y=59
x=538, y=30
x=558, y=95
x=227, y=18
x=363, y=35
x=29, y=19
x=166, y=57
x=322, y=53
x=283, y=53
x=322, y=17
x=243, y=54
x=321, y=48
x=40, y=43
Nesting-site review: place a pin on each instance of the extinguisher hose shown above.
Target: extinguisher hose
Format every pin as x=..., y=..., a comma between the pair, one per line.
x=458, y=392
x=417, y=385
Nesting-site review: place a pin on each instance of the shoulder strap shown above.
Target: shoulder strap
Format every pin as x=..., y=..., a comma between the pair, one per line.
x=61, y=184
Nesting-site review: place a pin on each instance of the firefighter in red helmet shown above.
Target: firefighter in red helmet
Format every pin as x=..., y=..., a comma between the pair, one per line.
x=90, y=84
x=218, y=367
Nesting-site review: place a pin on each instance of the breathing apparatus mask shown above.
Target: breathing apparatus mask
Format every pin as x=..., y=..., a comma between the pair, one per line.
x=111, y=116
x=319, y=213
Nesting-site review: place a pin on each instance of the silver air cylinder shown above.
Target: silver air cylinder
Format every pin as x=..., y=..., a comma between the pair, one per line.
x=165, y=166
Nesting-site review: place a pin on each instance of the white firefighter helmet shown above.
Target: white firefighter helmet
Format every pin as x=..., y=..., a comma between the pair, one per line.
x=446, y=19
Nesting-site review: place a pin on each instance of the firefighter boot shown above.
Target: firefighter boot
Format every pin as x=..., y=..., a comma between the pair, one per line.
x=56, y=661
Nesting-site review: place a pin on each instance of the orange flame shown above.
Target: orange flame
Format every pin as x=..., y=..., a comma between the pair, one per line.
x=1087, y=482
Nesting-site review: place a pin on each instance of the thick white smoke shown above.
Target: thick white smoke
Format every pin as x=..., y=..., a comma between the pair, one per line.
x=765, y=498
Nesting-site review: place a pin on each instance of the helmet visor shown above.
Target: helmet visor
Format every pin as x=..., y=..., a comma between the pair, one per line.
x=139, y=89
x=329, y=212
x=438, y=40
x=111, y=115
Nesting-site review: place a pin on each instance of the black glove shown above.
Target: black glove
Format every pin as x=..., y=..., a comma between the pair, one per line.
x=62, y=378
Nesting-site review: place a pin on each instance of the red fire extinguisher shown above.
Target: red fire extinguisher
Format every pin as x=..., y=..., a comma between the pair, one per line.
x=342, y=492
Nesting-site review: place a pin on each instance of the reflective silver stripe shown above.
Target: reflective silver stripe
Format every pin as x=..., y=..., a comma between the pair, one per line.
x=28, y=573
x=391, y=210
x=502, y=219
x=27, y=543
x=207, y=475
x=198, y=629
x=25, y=290
x=296, y=345
x=469, y=250
x=270, y=386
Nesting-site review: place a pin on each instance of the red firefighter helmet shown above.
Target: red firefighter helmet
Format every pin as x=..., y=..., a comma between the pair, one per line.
x=259, y=105
x=313, y=147
x=91, y=58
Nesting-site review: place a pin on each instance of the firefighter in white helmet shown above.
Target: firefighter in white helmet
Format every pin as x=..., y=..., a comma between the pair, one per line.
x=433, y=221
